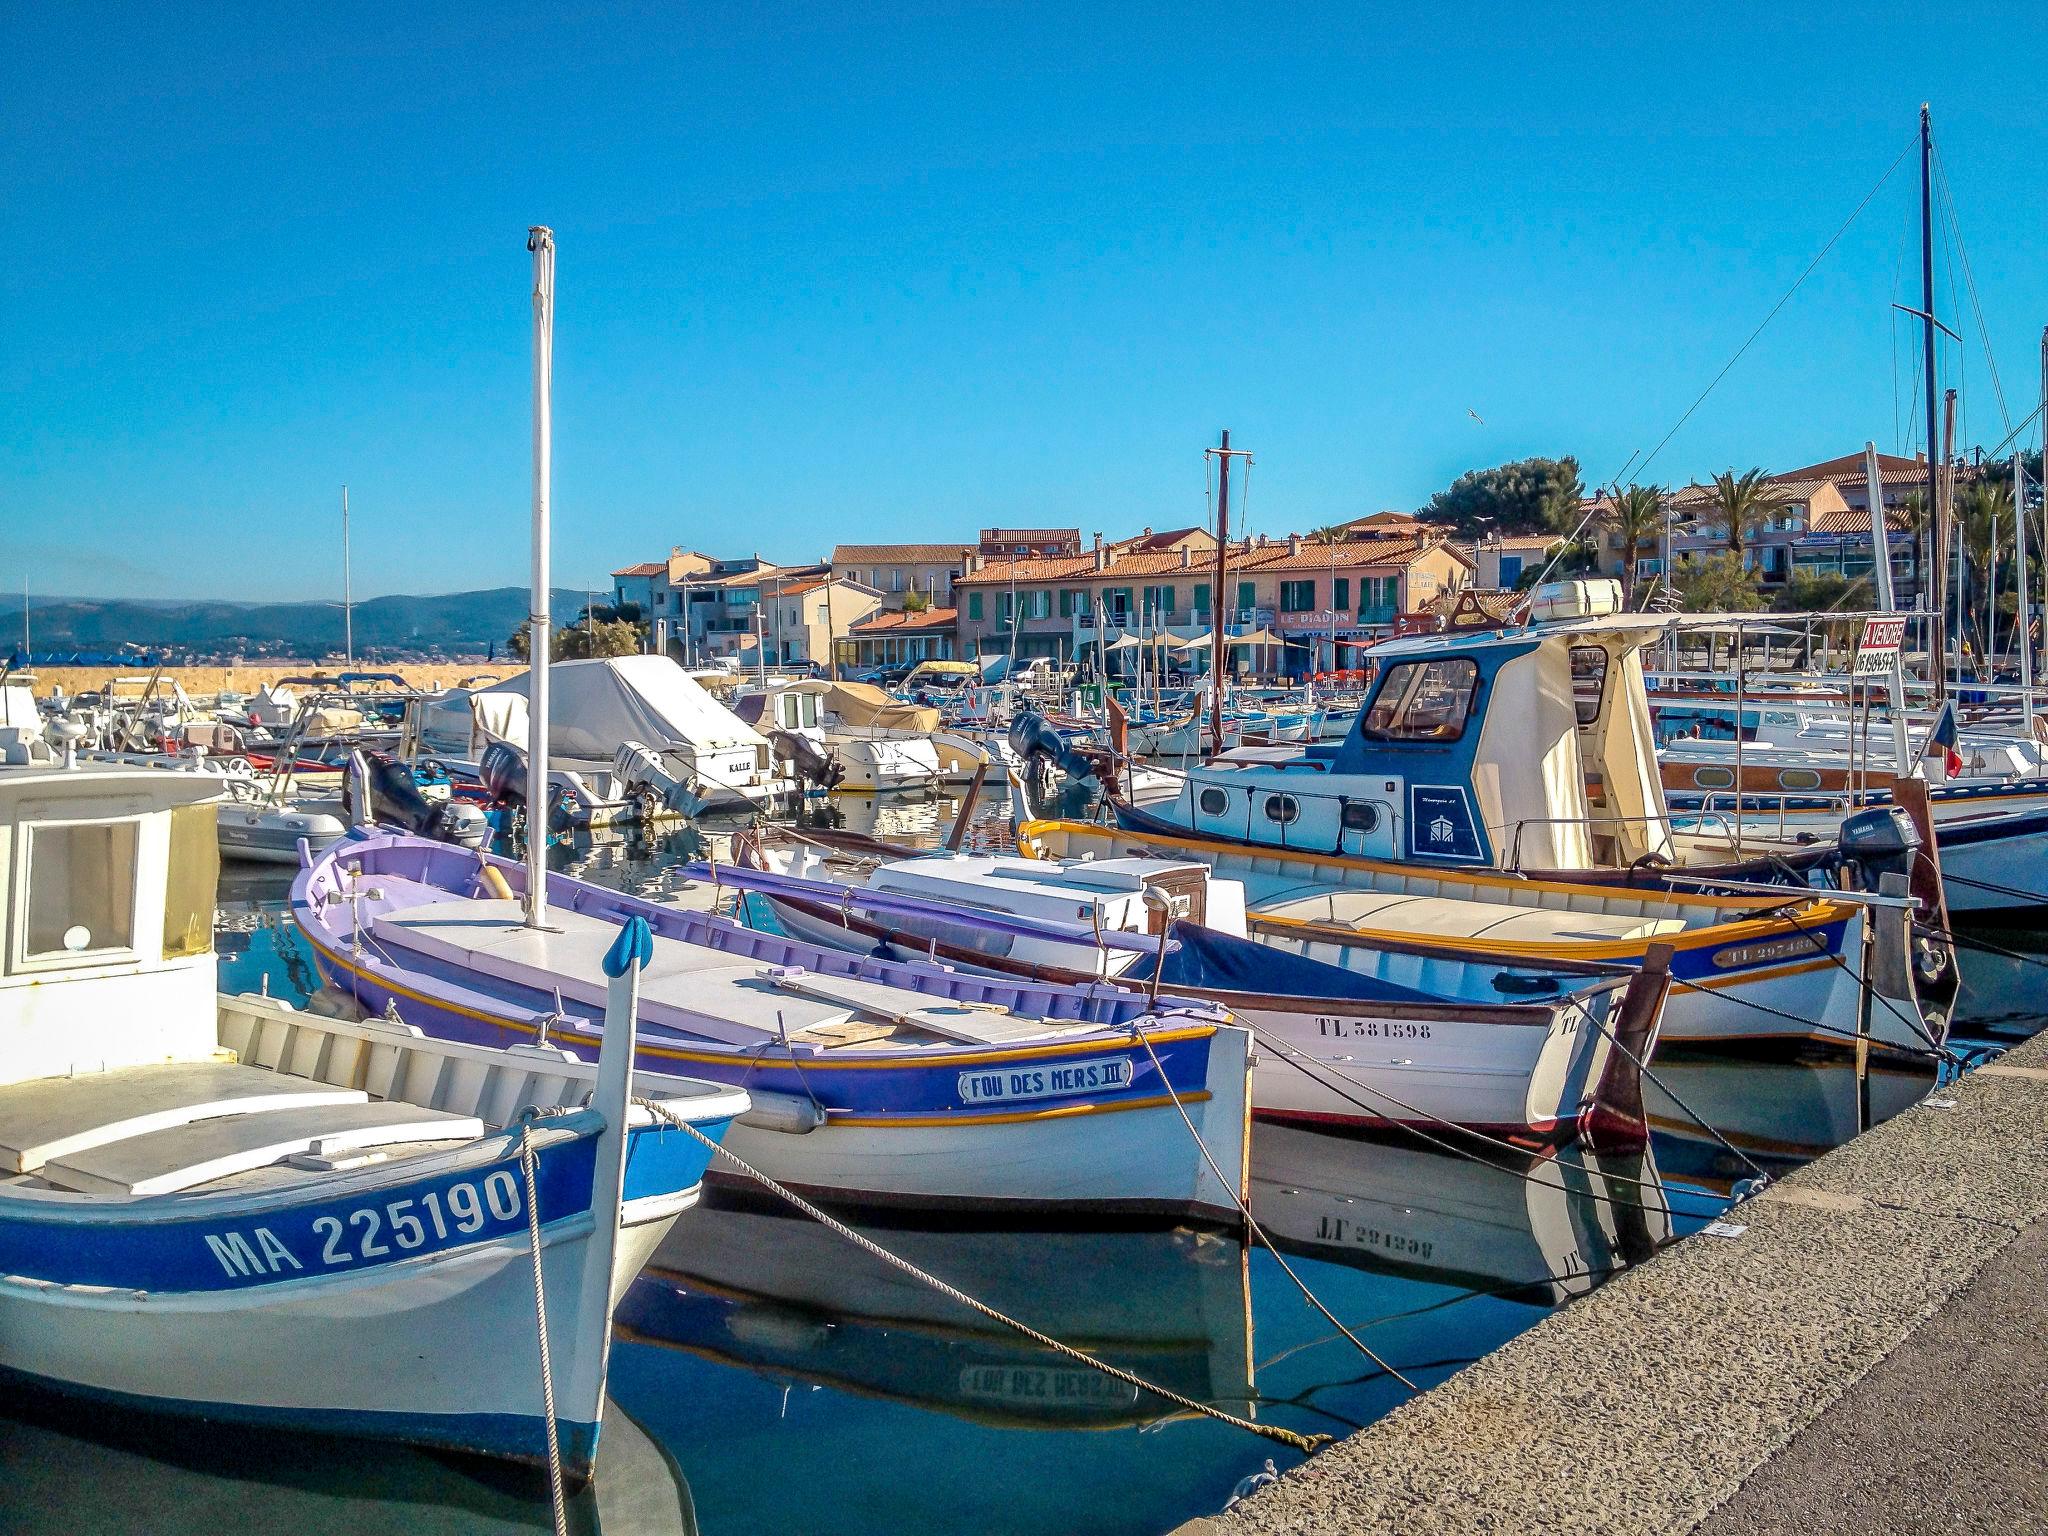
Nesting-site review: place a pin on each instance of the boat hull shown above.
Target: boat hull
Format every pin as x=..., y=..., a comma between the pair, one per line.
x=1526, y=1071
x=1009, y=1129
x=287, y=1313
x=1775, y=978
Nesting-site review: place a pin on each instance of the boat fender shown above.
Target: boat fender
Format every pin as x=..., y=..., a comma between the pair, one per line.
x=493, y=880
x=1524, y=986
x=783, y=1112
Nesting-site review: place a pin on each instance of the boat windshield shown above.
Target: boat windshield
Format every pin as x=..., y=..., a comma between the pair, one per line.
x=1423, y=701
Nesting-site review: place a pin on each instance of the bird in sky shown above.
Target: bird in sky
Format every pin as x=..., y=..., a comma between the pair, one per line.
x=1475, y=415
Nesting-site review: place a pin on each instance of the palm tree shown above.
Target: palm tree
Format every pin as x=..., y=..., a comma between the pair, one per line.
x=1983, y=508
x=1632, y=516
x=1739, y=504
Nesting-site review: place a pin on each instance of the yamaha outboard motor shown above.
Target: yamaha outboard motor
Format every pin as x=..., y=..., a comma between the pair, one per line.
x=810, y=763
x=502, y=769
x=395, y=801
x=1878, y=842
x=1034, y=736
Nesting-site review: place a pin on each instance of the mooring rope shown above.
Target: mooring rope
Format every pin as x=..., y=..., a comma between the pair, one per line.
x=1251, y=1223
x=1306, y=1444
x=527, y=1162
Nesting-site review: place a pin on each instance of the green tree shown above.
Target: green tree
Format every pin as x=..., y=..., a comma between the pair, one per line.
x=1717, y=584
x=1633, y=516
x=1984, y=509
x=1738, y=504
x=593, y=634
x=917, y=602
x=1527, y=496
x=1821, y=591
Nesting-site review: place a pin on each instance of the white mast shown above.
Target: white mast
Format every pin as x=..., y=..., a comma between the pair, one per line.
x=1881, y=547
x=541, y=241
x=2026, y=634
x=348, y=612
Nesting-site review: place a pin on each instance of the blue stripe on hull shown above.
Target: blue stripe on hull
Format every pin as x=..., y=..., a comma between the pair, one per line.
x=502, y=1436
x=162, y=1244
x=917, y=1088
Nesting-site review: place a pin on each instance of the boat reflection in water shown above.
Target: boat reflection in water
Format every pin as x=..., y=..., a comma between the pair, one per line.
x=786, y=1298
x=87, y=1469
x=1539, y=1230
x=1773, y=1114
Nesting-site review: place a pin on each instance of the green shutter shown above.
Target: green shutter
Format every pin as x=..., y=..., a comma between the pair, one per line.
x=1066, y=603
x=1247, y=594
x=974, y=605
x=1341, y=598
x=1201, y=597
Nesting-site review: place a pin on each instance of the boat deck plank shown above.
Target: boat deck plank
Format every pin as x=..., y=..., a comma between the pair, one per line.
x=183, y=1157
x=49, y=1118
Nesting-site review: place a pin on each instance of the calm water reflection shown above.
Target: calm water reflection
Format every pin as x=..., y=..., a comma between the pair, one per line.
x=787, y=1382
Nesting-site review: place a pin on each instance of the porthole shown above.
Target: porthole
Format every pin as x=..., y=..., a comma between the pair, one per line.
x=1282, y=808
x=1714, y=778
x=1361, y=818
x=1214, y=802
x=1798, y=778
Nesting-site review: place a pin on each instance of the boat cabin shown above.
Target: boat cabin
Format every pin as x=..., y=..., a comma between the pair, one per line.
x=1526, y=748
x=107, y=883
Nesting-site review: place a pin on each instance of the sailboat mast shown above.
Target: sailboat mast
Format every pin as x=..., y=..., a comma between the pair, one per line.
x=541, y=241
x=1935, y=512
x=348, y=607
x=2025, y=616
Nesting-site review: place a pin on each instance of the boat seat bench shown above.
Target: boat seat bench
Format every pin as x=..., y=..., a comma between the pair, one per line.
x=47, y=1118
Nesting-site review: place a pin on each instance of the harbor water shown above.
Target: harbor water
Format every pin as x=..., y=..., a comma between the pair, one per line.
x=770, y=1377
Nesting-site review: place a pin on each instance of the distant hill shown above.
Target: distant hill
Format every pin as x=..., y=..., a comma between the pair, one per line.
x=451, y=621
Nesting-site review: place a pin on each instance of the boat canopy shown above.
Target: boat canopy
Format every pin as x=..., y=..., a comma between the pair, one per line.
x=1547, y=729
x=595, y=706
x=863, y=704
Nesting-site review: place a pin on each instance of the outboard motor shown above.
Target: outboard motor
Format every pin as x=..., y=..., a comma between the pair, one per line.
x=1878, y=842
x=810, y=763
x=1034, y=736
x=642, y=769
x=394, y=800
x=502, y=769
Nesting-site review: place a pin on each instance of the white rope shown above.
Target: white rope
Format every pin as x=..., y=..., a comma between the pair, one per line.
x=1307, y=1444
x=1251, y=1224
x=540, y=1312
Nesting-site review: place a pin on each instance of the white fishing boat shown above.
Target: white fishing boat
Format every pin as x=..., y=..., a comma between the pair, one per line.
x=225, y=1207
x=879, y=1082
x=1500, y=791
x=1408, y=1034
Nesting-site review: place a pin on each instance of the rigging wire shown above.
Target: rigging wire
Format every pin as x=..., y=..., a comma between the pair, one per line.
x=1783, y=300
x=1955, y=226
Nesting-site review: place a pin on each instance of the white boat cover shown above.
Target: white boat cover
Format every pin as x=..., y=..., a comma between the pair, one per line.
x=594, y=706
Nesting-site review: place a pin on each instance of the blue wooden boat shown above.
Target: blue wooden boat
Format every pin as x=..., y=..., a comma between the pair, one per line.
x=230, y=1208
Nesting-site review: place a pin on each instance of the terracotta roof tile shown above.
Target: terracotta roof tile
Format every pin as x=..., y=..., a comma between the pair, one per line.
x=931, y=618
x=645, y=568
x=898, y=554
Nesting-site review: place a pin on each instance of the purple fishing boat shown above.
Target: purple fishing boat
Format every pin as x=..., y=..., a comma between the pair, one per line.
x=874, y=1080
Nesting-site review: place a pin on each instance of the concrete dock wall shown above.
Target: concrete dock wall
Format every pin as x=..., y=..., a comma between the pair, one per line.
x=204, y=682
x=1653, y=1401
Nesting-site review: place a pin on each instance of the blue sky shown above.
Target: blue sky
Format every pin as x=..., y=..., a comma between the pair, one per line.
x=844, y=273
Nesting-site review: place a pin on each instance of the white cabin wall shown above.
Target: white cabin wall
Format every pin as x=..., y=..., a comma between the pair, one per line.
x=1625, y=754
x=1526, y=771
